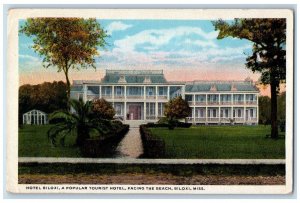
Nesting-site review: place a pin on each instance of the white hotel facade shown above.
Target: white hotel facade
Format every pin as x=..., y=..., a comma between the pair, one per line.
x=140, y=96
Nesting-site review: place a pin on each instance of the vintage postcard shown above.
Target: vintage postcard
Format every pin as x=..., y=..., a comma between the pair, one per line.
x=161, y=101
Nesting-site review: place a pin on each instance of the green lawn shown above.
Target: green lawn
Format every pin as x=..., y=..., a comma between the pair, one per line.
x=33, y=142
x=221, y=142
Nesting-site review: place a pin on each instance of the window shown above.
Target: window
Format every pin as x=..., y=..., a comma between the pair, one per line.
x=150, y=91
x=212, y=113
x=200, y=113
x=161, y=109
x=135, y=91
x=251, y=113
x=224, y=113
x=189, y=98
x=150, y=109
x=226, y=97
x=162, y=91
x=118, y=90
x=213, y=98
x=200, y=98
x=106, y=90
x=118, y=109
x=93, y=89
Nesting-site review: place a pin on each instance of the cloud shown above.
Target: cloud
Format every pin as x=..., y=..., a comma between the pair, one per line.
x=201, y=43
x=156, y=38
x=27, y=57
x=117, y=26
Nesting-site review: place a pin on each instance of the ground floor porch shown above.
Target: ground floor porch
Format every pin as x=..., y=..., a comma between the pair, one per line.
x=139, y=111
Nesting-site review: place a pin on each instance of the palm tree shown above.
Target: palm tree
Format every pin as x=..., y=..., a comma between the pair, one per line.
x=82, y=122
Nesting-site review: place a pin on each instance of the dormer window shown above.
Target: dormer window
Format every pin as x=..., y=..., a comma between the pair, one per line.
x=233, y=87
x=122, y=79
x=147, y=79
x=213, y=88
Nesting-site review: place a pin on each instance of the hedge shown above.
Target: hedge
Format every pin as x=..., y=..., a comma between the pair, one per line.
x=154, y=147
x=104, y=146
x=163, y=125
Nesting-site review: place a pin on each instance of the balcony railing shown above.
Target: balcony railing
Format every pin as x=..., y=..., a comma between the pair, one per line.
x=212, y=103
x=162, y=97
x=91, y=97
x=212, y=119
x=200, y=119
x=189, y=118
x=251, y=119
x=190, y=103
x=225, y=102
x=135, y=96
x=106, y=96
x=150, y=97
x=238, y=119
x=251, y=102
x=151, y=117
x=119, y=96
x=200, y=103
x=238, y=102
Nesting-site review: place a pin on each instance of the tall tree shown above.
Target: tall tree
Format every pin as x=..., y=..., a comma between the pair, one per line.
x=66, y=43
x=268, y=52
x=47, y=97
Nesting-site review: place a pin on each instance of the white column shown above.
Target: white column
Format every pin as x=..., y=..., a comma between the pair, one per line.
x=125, y=111
x=156, y=109
x=206, y=115
x=194, y=114
x=145, y=93
x=206, y=98
x=219, y=114
x=257, y=109
x=183, y=92
x=113, y=92
x=144, y=110
x=125, y=92
x=168, y=93
x=156, y=92
x=100, y=92
x=194, y=99
x=84, y=92
x=244, y=114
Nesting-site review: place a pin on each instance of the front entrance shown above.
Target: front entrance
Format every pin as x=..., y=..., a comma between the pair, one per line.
x=134, y=112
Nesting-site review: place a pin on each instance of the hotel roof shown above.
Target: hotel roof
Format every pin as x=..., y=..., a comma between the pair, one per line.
x=219, y=86
x=140, y=77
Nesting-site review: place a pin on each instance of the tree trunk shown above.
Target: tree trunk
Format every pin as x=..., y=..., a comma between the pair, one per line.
x=274, y=123
x=82, y=135
x=68, y=86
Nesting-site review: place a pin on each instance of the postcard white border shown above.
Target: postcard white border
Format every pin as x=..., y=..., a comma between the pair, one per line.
x=204, y=14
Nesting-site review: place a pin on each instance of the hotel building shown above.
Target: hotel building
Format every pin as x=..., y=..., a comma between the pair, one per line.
x=140, y=95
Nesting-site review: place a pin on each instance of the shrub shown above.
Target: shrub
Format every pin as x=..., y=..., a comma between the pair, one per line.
x=103, y=109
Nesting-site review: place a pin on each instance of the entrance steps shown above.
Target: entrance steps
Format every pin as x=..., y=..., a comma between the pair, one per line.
x=134, y=123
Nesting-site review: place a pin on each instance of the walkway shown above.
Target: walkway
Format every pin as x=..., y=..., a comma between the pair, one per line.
x=131, y=146
x=149, y=161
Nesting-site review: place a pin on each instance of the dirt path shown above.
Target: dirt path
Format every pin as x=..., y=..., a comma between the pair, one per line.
x=150, y=179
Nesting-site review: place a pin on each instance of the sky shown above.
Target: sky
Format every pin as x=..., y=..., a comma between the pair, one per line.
x=185, y=49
